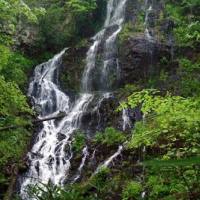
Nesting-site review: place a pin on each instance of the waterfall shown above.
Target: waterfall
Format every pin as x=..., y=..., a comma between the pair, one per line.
x=148, y=10
x=114, y=21
x=126, y=120
x=110, y=159
x=85, y=155
x=51, y=153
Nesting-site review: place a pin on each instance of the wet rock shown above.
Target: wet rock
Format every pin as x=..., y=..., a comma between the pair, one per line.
x=37, y=166
x=99, y=117
x=139, y=58
x=70, y=72
x=51, y=160
x=61, y=136
x=36, y=155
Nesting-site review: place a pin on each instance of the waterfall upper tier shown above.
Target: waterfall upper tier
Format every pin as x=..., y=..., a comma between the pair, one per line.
x=102, y=56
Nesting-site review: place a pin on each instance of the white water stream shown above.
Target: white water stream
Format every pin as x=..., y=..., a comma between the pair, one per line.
x=148, y=10
x=110, y=159
x=126, y=120
x=51, y=153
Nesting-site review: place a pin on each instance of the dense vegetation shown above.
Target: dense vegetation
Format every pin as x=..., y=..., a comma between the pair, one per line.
x=166, y=141
x=14, y=110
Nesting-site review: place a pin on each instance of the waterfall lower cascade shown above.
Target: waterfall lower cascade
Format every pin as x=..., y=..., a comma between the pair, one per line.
x=51, y=153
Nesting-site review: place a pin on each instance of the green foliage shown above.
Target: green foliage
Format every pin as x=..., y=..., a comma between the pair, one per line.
x=174, y=163
x=110, y=137
x=72, y=192
x=132, y=190
x=82, y=6
x=188, y=66
x=127, y=90
x=44, y=192
x=168, y=121
x=74, y=20
x=14, y=111
x=187, y=30
x=78, y=142
x=100, y=180
x=138, y=98
x=12, y=105
x=11, y=13
x=12, y=101
x=172, y=182
x=12, y=147
x=189, y=77
x=4, y=56
x=170, y=128
x=127, y=31
x=14, y=66
x=170, y=131
x=188, y=34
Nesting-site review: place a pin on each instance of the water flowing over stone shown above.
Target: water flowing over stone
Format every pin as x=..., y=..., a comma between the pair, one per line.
x=126, y=119
x=85, y=155
x=143, y=195
x=51, y=153
x=109, y=161
x=148, y=10
x=109, y=62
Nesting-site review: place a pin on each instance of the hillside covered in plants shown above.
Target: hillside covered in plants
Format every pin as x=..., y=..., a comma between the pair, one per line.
x=99, y=100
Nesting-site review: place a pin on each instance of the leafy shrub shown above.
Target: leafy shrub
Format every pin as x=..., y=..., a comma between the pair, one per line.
x=44, y=192
x=167, y=121
x=99, y=182
x=188, y=34
x=189, y=77
x=14, y=66
x=187, y=30
x=14, y=111
x=110, y=137
x=12, y=101
x=78, y=142
x=132, y=191
x=81, y=6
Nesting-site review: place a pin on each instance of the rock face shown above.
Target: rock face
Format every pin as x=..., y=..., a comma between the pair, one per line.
x=101, y=116
x=73, y=63
x=148, y=40
x=139, y=59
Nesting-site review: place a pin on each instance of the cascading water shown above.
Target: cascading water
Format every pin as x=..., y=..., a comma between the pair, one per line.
x=148, y=10
x=51, y=154
x=114, y=21
x=126, y=120
x=110, y=159
x=85, y=155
